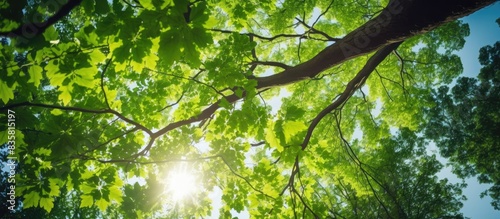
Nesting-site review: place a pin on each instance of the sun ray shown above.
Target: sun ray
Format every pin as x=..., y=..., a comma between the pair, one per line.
x=181, y=183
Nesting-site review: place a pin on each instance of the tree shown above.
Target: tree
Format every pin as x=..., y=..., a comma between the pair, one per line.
x=110, y=98
x=472, y=145
x=404, y=179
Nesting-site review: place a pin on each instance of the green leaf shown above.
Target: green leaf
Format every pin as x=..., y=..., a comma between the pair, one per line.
x=201, y=37
x=181, y=6
x=47, y=203
x=293, y=113
x=6, y=93
x=121, y=53
x=191, y=54
x=97, y=56
x=291, y=128
x=87, y=201
x=86, y=189
x=50, y=34
x=42, y=151
x=269, y=190
x=148, y=4
x=31, y=199
x=56, y=112
x=35, y=73
x=85, y=78
x=225, y=104
x=141, y=49
x=198, y=15
x=102, y=204
x=250, y=88
x=272, y=139
x=52, y=67
x=239, y=92
x=57, y=79
x=102, y=7
x=170, y=47
x=65, y=95
x=115, y=194
x=53, y=183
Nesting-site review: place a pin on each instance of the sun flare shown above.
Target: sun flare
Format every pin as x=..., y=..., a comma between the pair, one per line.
x=181, y=183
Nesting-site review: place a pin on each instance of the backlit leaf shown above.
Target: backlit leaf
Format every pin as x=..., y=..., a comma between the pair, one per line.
x=65, y=95
x=291, y=128
x=31, y=199
x=102, y=204
x=87, y=201
x=47, y=204
x=6, y=93
x=271, y=138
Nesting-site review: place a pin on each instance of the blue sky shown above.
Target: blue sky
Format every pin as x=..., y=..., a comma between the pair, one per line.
x=483, y=31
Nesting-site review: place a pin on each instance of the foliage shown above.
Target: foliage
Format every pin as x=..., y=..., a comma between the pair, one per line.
x=467, y=122
x=115, y=95
x=404, y=178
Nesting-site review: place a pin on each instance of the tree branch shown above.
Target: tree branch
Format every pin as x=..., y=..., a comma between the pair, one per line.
x=271, y=63
x=111, y=139
x=39, y=28
x=360, y=164
x=397, y=22
x=190, y=79
x=354, y=84
x=271, y=38
x=313, y=30
x=383, y=85
x=102, y=83
x=175, y=103
x=77, y=109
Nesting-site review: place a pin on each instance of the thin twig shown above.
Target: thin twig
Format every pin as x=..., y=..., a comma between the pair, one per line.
x=102, y=83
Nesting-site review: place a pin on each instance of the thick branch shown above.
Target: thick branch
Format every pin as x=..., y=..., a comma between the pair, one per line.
x=397, y=22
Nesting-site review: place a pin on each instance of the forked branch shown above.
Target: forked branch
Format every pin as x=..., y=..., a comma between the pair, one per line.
x=352, y=86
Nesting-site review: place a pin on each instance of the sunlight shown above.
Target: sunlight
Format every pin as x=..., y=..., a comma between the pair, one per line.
x=180, y=183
